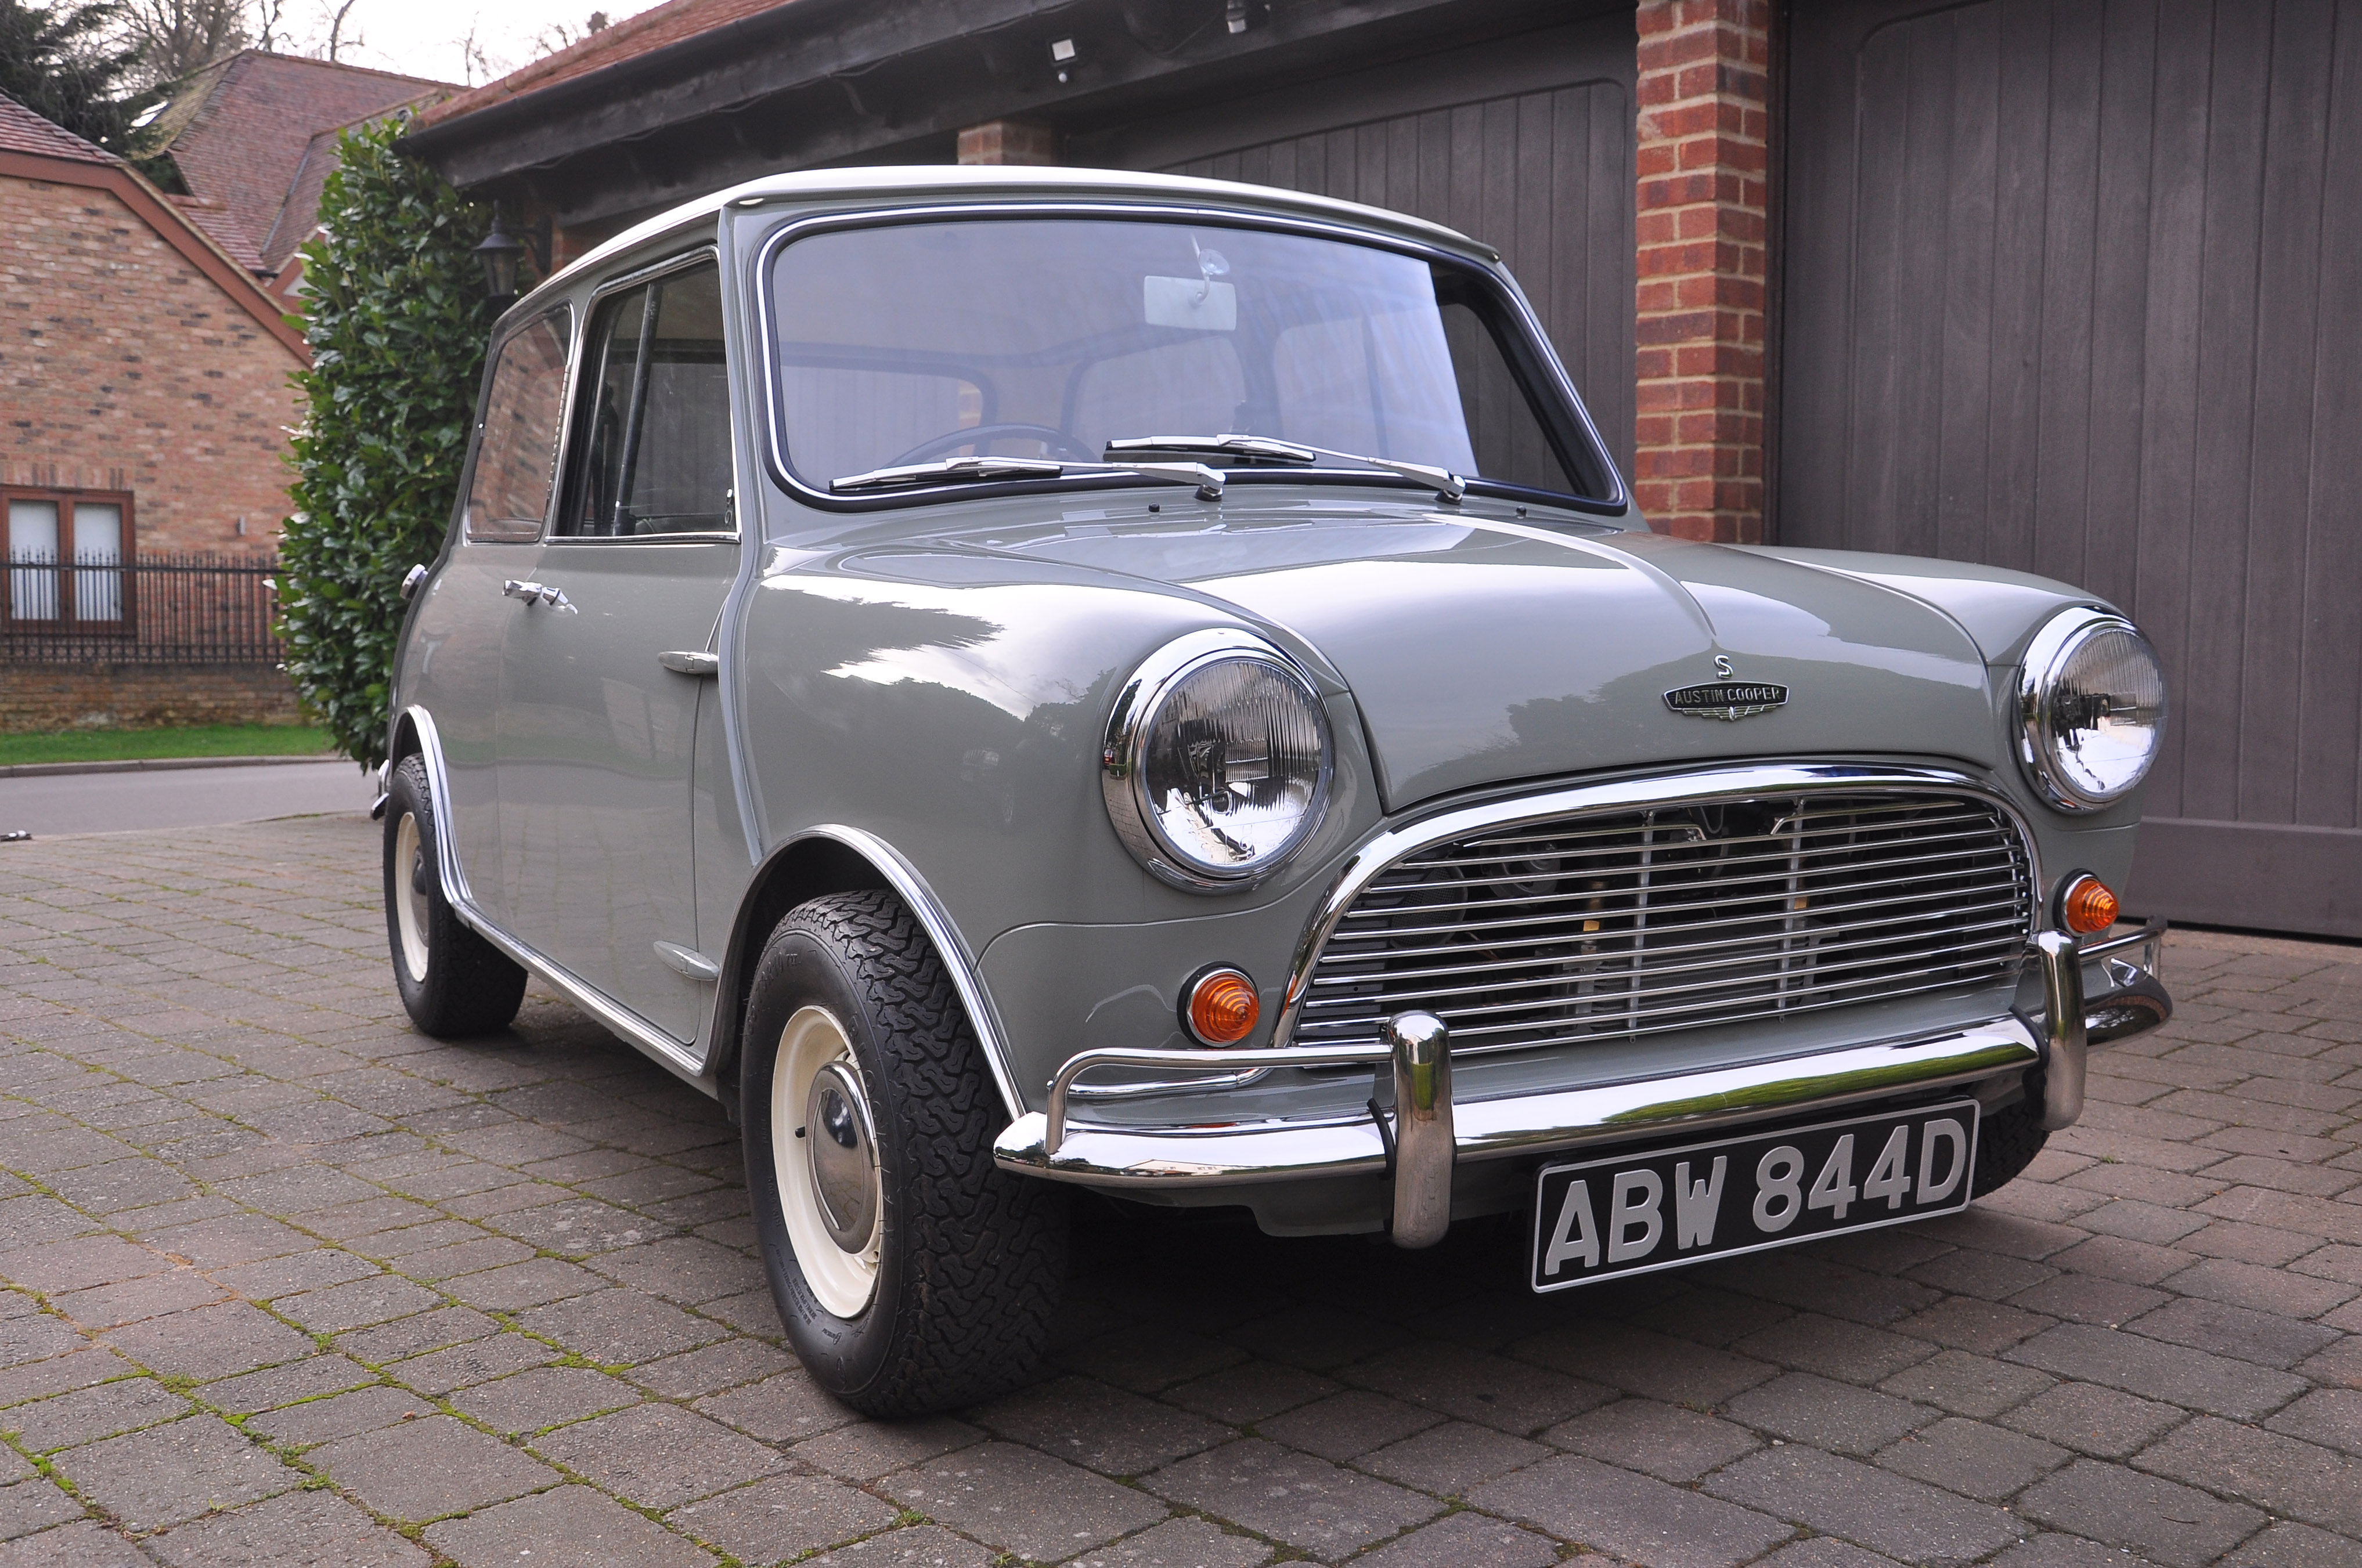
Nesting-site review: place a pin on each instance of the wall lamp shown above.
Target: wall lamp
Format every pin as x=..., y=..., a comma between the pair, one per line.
x=500, y=250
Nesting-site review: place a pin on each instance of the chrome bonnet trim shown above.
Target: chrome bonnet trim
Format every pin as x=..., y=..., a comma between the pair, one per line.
x=1531, y=1123
x=1379, y=854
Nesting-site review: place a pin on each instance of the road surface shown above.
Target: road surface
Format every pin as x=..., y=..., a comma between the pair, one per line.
x=53, y=804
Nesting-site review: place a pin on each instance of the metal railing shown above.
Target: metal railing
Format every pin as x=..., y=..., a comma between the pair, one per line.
x=154, y=609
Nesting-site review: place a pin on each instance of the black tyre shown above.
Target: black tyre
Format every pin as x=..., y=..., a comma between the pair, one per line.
x=2008, y=1141
x=912, y=1274
x=454, y=984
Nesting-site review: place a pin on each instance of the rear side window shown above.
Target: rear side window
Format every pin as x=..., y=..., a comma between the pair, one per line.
x=516, y=458
x=653, y=414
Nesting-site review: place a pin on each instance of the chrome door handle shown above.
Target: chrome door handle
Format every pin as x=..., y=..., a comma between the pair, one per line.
x=692, y=663
x=554, y=598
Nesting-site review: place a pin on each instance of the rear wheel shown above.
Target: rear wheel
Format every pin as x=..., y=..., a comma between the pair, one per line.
x=453, y=983
x=911, y=1272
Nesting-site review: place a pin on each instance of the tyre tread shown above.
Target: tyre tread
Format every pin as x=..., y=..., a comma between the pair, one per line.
x=988, y=1249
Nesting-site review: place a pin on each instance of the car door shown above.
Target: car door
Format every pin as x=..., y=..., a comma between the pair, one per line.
x=454, y=654
x=608, y=648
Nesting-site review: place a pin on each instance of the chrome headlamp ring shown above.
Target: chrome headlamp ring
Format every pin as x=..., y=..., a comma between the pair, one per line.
x=1124, y=748
x=2038, y=690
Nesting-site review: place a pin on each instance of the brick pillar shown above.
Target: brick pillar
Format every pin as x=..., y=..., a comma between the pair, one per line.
x=1697, y=463
x=1009, y=141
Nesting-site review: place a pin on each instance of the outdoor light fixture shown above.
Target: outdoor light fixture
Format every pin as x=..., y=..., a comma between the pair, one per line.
x=500, y=251
x=1235, y=18
x=1063, y=56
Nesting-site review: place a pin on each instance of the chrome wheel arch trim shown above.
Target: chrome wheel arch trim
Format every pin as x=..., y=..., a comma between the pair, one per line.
x=683, y=1061
x=1377, y=854
x=936, y=921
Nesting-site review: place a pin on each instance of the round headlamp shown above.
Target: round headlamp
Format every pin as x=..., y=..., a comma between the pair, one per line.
x=1216, y=760
x=2091, y=701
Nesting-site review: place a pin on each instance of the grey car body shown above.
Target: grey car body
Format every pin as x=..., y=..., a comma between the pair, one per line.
x=647, y=750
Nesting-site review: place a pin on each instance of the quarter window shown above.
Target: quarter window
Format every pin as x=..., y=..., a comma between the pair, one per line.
x=516, y=462
x=653, y=414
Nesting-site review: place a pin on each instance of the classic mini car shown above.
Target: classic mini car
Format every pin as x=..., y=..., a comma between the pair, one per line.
x=1014, y=679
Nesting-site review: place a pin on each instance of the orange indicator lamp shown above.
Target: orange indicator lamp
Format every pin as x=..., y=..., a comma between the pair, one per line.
x=1222, y=1006
x=2087, y=905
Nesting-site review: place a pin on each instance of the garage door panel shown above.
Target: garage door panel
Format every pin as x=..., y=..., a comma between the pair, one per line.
x=2070, y=287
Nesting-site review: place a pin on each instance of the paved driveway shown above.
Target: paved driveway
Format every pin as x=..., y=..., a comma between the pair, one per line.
x=290, y=1284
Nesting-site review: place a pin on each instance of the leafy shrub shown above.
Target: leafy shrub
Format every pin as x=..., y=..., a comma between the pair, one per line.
x=397, y=320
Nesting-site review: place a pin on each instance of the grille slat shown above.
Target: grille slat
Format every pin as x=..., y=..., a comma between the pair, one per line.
x=1427, y=999
x=1513, y=858
x=1422, y=994
x=1606, y=926
x=1527, y=922
x=1681, y=950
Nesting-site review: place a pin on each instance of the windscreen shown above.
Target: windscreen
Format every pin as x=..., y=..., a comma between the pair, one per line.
x=1050, y=337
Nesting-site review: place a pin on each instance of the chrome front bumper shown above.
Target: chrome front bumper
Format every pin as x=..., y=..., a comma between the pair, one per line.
x=2094, y=995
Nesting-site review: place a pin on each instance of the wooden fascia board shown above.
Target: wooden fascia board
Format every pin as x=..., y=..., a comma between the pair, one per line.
x=150, y=205
x=774, y=55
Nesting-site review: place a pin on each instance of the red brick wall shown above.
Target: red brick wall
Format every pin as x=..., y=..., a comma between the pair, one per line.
x=1009, y=141
x=39, y=698
x=1698, y=449
x=123, y=367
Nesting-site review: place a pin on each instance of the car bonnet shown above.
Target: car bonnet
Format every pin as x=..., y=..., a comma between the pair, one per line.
x=1482, y=651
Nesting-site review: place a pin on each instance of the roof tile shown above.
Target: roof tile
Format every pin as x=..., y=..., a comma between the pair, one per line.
x=21, y=130
x=633, y=35
x=241, y=146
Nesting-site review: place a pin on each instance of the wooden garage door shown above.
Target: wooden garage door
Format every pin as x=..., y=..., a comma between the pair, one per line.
x=1523, y=142
x=2075, y=286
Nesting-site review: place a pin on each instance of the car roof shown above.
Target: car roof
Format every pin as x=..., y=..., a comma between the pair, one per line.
x=954, y=183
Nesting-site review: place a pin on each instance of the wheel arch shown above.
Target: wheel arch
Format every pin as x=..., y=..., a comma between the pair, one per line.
x=836, y=858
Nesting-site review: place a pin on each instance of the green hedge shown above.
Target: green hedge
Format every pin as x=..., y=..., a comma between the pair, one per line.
x=397, y=318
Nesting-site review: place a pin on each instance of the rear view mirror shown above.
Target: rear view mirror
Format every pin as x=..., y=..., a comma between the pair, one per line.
x=1199, y=304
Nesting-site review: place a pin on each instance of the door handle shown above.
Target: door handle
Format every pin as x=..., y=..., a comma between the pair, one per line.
x=692, y=663
x=554, y=598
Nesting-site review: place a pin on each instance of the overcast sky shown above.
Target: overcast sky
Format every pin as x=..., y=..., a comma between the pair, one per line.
x=430, y=37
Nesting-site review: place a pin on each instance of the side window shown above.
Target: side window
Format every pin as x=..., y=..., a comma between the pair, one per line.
x=517, y=460
x=652, y=430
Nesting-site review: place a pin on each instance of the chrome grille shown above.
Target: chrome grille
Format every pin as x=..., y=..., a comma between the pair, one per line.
x=1597, y=926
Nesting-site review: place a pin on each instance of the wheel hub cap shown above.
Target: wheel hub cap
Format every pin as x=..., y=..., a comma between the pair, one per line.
x=843, y=1154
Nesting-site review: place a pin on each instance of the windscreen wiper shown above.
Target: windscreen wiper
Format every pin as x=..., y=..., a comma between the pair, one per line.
x=1267, y=449
x=1206, y=481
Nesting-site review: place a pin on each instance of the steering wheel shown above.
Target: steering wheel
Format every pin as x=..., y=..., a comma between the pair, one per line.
x=1055, y=441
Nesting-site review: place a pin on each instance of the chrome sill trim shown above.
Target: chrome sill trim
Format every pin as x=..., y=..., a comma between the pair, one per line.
x=1687, y=787
x=1531, y=1123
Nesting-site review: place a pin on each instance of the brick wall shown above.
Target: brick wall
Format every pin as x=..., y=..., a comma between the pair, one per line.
x=1009, y=141
x=1701, y=145
x=37, y=698
x=124, y=367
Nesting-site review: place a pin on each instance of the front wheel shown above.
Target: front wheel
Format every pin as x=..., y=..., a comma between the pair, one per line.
x=911, y=1273
x=453, y=983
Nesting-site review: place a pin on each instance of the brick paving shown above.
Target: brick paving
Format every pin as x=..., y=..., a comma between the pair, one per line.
x=286, y=1283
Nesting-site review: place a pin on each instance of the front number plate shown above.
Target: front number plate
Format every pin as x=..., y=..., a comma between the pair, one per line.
x=1652, y=1209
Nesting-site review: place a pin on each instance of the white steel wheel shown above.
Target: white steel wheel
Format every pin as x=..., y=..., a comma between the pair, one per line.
x=824, y=1154
x=410, y=895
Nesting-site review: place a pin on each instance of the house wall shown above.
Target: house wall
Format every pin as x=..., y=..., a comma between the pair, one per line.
x=124, y=367
x=39, y=698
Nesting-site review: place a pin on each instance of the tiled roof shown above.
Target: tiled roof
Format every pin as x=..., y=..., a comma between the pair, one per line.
x=649, y=31
x=240, y=133
x=21, y=130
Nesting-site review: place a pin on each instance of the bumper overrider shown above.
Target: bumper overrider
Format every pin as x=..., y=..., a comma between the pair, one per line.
x=2096, y=991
